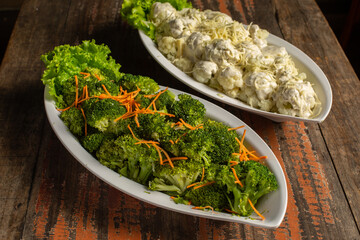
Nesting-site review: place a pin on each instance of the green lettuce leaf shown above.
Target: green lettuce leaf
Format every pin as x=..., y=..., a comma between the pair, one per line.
x=136, y=13
x=65, y=61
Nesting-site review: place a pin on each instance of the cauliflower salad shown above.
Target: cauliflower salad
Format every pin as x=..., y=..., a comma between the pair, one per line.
x=235, y=59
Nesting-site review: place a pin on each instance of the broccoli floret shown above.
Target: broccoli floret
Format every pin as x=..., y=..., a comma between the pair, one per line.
x=257, y=181
x=92, y=142
x=196, y=145
x=102, y=113
x=165, y=101
x=133, y=82
x=191, y=110
x=153, y=126
x=211, y=195
x=135, y=161
x=74, y=120
x=224, y=142
x=175, y=180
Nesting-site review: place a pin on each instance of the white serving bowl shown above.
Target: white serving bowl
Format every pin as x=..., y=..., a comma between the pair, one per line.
x=303, y=62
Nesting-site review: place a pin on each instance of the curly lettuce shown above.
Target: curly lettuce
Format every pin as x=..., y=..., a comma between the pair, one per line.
x=136, y=13
x=65, y=61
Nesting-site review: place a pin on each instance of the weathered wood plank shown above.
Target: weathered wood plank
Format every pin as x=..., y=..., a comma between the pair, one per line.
x=21, y=112
x=303, y=24
x=69, y=202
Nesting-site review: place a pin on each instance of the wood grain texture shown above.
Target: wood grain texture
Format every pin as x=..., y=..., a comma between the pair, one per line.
x=47, y=194
x=314, y=36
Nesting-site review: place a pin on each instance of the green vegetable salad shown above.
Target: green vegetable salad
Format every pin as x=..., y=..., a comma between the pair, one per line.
x=152, y=137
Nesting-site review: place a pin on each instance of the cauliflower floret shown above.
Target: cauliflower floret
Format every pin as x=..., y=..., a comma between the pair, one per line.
x=285, y=69
x=263, y=84
x=222, y=52
x=230, y=78
x=218, y=16
x=259, y=35
x=171, y=47
x=195, y=45
x=270, y=53
x=204, y=70
x=250, y=51
x=296, y=98
x=161, y=12
x=184, y=64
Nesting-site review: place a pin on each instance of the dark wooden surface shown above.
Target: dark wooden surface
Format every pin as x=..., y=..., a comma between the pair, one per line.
x=46, y=194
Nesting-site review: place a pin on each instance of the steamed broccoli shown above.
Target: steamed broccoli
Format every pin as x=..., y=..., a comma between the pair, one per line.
x=175, y=180
x=165, y=101
x=133, y=82
x=257, y=181
x=224, y=142
x=191, y=110
x=92, y=142
x=153, y=126
x=135, y=161
x=211, y=195
x=101, y=114
x=196, y=145
x=74, y=120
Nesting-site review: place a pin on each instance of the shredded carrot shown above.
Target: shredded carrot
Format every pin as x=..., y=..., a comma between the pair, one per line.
x=98, y=78
x=160, y=155
x=236, y=177
x=257, y=212
x=166, y=155
x=82, y=111
x=203, y=174
x=76, y=90
x=233, y=163
x=186, y=124
x=230, y=211
x=235, y=128
x=194, y=184
x=86, y=74
x=202, y=208
x=107, y=92
x=177, y=140
x=156, y=97
x=65, y=109
x=171, y=141
x=132, y=133
x=179, y=158
x=205, y=184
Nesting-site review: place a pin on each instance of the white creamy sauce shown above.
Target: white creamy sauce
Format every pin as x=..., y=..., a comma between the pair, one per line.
x=222, y=53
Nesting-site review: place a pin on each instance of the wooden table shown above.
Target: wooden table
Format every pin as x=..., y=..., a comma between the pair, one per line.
x=46, y=194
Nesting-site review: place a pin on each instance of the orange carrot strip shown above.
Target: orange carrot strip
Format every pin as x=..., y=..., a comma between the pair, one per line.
x=191, y=185
x=107, y=92
x=235, y=128
x=201, y=208
x=82, y=111
x=132, y=133
x=86, y=74
x=98, y=78
x=203, y=174
x=230, y=211
x=171, y=141
x=257, y=212
x=186, y=124
x=65, y=109
x=157, y=96
x=236, y=177
x=76, y=90
x=205, y=184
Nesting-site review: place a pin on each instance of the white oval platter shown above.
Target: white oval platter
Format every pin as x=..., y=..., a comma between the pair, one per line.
x=303, y=62
x=273, y=206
